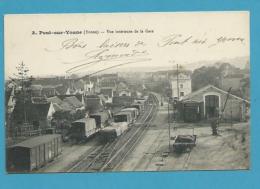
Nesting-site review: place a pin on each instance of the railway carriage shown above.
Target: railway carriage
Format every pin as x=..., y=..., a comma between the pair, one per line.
x=101, y=119
x=82, y=129
x=123, y=117
x=139, y=106
x=110, y=133
x=33, y=153
x=142, y=101
x=133, y=111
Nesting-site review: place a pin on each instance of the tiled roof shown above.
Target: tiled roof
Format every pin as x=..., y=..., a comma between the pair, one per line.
x=73, y=101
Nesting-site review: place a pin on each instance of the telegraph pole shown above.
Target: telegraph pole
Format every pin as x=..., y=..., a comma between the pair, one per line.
x=178, y=82
x=169, y=125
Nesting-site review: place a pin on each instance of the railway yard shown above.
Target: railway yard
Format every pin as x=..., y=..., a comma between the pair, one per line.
x=145, y=147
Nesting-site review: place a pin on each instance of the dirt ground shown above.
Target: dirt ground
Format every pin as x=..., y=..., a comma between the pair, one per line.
x=70, y=155
x=228, y=151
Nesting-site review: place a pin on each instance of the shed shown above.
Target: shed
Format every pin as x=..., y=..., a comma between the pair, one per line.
x=209, y=101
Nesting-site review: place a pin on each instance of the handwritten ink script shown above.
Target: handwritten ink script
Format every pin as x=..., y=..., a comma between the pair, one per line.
x=181, y=40
x=108, y=51
x=112, y=52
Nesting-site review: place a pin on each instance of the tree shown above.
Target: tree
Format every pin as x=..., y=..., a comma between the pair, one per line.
x=23, y=83
x=63, y=119
x=204, y=76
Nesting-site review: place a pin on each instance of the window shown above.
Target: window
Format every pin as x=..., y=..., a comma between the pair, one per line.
x=181, y=86
x=181, y=93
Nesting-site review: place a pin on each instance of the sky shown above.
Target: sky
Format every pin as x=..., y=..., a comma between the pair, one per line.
x=150, y=40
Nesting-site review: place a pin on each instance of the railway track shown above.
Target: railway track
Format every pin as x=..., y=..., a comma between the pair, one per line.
x=186, y=161
x=110, y=155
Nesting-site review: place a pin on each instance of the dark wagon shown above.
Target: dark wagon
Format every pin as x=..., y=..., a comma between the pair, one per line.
x=184, y=143
x=33, y=153
x=123, y=117
x=83, y=129
x=101, y=119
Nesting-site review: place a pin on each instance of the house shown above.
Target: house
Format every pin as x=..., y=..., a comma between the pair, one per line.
x=122, y=89
x=93, y=103
x=67, y=104
x=74, y=103
x=180, y=84
x=88, y=87
x=208, y=102
x=108, y=88
x=57, y=105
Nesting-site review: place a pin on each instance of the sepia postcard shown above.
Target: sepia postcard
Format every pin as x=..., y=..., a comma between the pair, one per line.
x=106, y=92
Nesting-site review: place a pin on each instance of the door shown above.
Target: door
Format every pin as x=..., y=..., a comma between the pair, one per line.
x=211, y=106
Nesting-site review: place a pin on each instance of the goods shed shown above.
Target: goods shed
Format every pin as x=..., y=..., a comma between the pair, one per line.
x=208, y=102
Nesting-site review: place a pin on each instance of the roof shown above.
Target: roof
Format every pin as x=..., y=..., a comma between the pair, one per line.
x=48, y=87
x=187, y=97
x=83, y=120
x=39, y=100
x=61, y=90
x=122, y=113
x=93, y=103
x=36, y=87
x=129, y=109
x=173, y=72
x=54, y=99
x=122, y=85
x=57, y=107
x=73, y=101
x=36, y=141
x=78, y=96
x=79, y=84
x=102, y=97
x=108, y=83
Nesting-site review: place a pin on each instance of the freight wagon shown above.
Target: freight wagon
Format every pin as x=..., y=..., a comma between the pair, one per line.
x=110, y=133
x=139, y=106
x=123, y=117
x=142, y=101
x=132, y=111
x=33, y=153
x=101, y=119
x=82, y=129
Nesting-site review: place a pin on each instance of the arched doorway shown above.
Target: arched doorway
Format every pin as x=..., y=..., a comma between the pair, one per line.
x=212, y=105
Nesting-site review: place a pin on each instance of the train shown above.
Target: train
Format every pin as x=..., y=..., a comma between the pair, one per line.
x=36, y=152
x=99, y=123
